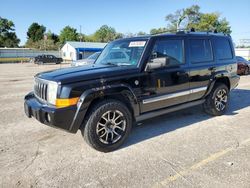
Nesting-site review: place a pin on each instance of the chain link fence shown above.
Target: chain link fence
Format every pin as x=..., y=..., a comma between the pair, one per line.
x=23, y=54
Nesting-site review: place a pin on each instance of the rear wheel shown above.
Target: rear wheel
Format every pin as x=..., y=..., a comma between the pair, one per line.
x=217, y=101
x=108, y=125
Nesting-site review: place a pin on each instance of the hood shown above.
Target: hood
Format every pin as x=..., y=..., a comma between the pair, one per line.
x=84, y=73
x=83, y=62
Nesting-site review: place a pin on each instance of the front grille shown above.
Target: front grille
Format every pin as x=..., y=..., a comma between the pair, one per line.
x=40, y=89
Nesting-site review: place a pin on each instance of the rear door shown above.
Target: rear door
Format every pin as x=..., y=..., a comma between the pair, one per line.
x=202, y=65
x=169, y=85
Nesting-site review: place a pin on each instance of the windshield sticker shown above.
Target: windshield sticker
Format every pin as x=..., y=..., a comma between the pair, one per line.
x=137, y=44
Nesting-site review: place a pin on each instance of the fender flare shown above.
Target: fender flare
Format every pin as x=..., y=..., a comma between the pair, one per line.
x=214, y=78
x=89, y=95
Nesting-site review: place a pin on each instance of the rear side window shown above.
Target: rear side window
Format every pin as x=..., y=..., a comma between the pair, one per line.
x=223, y=48
x=200, y=50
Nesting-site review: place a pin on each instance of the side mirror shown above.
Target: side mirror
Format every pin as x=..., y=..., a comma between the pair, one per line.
x=157, y=63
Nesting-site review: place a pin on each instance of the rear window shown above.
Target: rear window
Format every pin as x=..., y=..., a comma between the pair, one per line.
x=200, y=50
x=223, y=48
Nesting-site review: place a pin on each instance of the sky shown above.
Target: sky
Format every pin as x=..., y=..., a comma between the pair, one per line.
x=127, y=16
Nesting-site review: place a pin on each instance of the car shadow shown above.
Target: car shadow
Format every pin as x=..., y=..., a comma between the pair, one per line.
x=239, y=99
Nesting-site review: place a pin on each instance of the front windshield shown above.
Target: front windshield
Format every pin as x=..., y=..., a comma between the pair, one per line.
x=123, y=52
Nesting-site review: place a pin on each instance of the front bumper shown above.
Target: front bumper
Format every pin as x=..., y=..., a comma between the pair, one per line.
x=62, y=118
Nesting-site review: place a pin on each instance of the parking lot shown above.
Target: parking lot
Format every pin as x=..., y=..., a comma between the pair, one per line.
x=183, y=149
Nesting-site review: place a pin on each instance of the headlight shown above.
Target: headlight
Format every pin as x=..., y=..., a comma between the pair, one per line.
x=52, y=92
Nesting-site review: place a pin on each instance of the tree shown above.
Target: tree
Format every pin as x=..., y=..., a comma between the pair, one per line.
x=52, y=36
x=8, y=37
x=119, y=35
x=81, y=36
x=105, y=34
x=211, y=22
x=129, y=35
x=36, y=32
x=182, y=17
x=141, y=33
x=49, y=41
x=223, y=26
x=158, y=30
x=68, y=34
x=89, y=38
x=192, y=18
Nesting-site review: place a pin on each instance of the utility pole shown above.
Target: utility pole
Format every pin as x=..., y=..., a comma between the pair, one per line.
x=80, y=33
x=45, y=37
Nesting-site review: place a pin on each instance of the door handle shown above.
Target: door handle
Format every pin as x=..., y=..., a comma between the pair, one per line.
x=212, y=68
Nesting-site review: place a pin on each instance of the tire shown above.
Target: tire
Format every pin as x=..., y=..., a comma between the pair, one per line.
x=217, y=101
x=107, y=126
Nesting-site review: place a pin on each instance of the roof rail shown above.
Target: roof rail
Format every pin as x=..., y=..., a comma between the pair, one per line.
x=192, y=30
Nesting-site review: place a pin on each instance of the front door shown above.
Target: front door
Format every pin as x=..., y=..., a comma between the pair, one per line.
x=168, y=85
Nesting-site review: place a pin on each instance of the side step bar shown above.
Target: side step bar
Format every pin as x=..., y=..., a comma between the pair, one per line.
x=155, y=113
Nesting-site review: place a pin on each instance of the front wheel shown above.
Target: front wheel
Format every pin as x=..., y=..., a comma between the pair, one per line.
x=108, y=125
x=217, y=101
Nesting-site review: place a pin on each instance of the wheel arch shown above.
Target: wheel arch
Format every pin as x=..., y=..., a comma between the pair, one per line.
x=222, y=77
x=225, y=80
x=89, y=98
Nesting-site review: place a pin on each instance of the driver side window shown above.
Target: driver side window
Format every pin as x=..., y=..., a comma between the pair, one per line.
x=170, y=49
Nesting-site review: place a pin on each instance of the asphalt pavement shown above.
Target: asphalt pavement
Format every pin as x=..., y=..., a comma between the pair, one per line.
x=187, y=148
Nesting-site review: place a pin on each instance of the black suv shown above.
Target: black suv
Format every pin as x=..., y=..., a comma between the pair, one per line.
x=41, y=59
x=144, y=77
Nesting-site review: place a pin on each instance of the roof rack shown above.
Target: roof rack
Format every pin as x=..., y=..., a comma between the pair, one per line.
x=192, y=30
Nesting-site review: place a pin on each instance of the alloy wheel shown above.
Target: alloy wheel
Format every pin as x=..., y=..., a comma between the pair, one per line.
x=111, y=127
x=221, y=99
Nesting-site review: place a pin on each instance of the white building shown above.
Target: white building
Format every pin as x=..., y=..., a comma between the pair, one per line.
x=243, y=52
x=72, y=51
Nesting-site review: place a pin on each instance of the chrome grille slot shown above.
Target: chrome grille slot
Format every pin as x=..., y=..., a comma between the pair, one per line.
x=40, y=89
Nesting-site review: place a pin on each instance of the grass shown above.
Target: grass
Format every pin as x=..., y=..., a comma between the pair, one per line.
x=13, y=59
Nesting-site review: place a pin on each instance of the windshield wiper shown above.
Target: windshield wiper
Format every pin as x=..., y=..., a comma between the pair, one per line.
x=116, y=64
x=123, y=64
